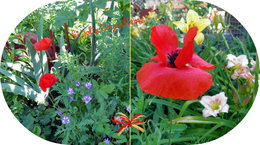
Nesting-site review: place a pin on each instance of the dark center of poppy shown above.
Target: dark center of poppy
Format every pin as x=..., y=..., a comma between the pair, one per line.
x=172, y=57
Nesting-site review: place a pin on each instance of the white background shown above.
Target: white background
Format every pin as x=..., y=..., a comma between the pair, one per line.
x=13, y=11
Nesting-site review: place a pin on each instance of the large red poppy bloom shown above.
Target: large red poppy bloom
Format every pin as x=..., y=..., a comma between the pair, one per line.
x=47, y=80
x=43, y=44
x=178, y=73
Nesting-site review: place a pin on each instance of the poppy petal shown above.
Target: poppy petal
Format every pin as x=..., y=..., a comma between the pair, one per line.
x=165, y=41
x=47, y=80
x=186, y=83
x=155, y=58
x=43, y=44
x=198, y=62
x=188, y=48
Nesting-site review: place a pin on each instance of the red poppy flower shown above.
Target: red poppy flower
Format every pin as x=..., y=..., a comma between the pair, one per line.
x=43, y=44
x=47, y=80
x=178, y=73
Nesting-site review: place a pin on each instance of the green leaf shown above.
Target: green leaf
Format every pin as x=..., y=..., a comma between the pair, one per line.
x=126, y=2
x=202, y=120
x=109, y=13
x=216, y=21
x=44, y=61
x=40, y=29
x=6, y=56
x=35, y=60
x=18, y=67
x=28, y=121
x=84, y=12
x=14, y=78
x=60, y=20
x=100, y=4
x=89, y=121
x=27, y=92
x=37, y=130
x=61, y=43
x=107, y=88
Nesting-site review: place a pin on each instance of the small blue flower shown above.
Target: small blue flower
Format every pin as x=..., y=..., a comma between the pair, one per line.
x=65, y=120
x=107, y=141
x=87, y=99
x=70, y=98
x=128, y=108
x=78, y=84
x=88, y=85
x=70, y=91
x=59, y=112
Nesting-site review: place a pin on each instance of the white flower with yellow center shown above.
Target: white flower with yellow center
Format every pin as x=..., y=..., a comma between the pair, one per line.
x=241, y=60
x=214, y=104
x=193, y=20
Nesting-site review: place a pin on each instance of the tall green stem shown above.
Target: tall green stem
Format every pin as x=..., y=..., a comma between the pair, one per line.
x=170, y=133
x=93, y=41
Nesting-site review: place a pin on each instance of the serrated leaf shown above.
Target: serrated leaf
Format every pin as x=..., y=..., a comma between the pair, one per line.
x=107, y=88
x=28, y=121
x=89, y=121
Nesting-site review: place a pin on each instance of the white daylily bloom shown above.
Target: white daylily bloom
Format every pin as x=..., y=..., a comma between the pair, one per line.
x=234, y=61
x=214, y=104
x=253, y=63
x=242, y=72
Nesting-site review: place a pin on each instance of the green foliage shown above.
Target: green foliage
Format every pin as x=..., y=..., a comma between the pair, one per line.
x=188, y=124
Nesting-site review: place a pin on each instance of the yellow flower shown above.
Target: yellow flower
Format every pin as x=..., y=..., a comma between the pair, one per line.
x=152, y=15
x=136, y=32
x=193, y=20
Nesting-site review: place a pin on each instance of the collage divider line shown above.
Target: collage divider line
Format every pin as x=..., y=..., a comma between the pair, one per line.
x=130, y=115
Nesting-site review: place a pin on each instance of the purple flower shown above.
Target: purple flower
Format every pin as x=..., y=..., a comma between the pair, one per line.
x=70, y=98
x=107, y=141
x=88, y=85
x=87, y=99
x=70, y=91
x=118, y=118
x=128, y=108
x=65, y=120
x=59, y=112
x=78, y=84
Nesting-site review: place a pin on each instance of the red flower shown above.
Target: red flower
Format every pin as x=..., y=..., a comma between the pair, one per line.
x=43, y=44
x=47, y=80
x=178, y=72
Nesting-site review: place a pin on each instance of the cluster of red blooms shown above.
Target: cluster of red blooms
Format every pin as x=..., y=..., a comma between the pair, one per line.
x=47, y=80
x=91, y=30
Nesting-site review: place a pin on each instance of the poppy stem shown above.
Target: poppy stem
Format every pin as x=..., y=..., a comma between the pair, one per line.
x=170, y=133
